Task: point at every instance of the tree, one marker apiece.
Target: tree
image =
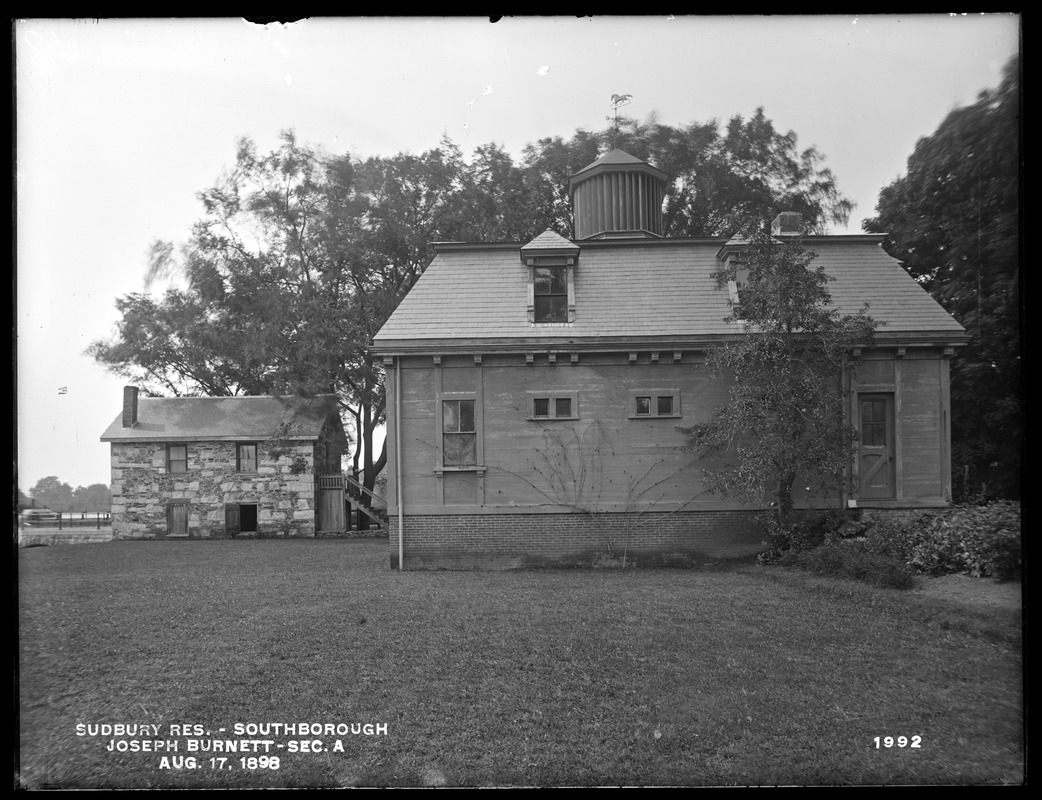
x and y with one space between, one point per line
785 418
297 261
270 302
501 200
95 497
953 220
719 182
52 493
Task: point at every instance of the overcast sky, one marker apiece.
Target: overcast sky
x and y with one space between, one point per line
121 122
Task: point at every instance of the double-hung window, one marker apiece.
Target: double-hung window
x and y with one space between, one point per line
550 286
459 434
177 458
738 279
246 457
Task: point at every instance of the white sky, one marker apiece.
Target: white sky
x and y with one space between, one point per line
121 122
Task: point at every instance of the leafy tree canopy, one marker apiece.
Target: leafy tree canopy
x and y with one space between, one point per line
52 493
953 220
95 497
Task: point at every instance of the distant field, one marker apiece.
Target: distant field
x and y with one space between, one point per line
723 676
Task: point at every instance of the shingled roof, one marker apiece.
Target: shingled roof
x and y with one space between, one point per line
617 158
172 419
643 290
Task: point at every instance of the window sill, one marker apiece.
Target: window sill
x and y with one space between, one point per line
440 470
655 416
902 503
552 419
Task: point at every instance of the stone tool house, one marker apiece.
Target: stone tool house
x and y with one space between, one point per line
535 389
208 467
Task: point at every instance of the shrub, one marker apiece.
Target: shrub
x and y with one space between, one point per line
978 540
775 538
897 537
811 530
843 561
938 551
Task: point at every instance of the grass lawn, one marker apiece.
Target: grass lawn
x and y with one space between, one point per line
729 675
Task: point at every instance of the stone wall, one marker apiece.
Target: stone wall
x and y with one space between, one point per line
34 538
142 490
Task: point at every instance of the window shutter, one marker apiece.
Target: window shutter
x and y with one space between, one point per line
231 519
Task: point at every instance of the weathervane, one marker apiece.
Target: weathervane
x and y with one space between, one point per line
617 102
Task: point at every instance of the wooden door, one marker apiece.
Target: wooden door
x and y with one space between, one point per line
876 446
177 519
331 508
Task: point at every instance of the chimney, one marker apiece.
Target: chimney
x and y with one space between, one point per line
129 406
788 223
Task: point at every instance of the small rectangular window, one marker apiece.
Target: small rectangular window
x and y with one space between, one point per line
552 406
177 458
654 403
246 457
459 435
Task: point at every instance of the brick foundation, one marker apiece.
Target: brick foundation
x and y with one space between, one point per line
514 541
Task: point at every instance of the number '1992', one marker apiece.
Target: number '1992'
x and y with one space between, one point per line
898 741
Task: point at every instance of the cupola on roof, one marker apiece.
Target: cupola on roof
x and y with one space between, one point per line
618 196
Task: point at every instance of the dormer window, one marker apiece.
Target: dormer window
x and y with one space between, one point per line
550 286
738 279
733 274
551 260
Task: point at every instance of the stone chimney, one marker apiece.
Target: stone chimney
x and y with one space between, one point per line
788 223
129 406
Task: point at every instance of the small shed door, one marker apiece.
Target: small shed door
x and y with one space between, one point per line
331 506
177 519
876 456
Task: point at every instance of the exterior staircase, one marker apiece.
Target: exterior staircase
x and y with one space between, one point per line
376 511
342 491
